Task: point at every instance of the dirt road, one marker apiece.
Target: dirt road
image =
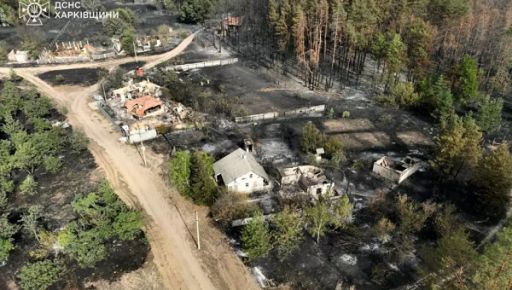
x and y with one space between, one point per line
169 217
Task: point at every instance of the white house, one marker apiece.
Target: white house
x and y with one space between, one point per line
240 172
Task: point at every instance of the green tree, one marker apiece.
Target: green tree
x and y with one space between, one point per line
446 10
321 216
333 146
127 225
127 40
288 232
418 38
11 16
29 185
493 267
179 171
443 102
318 219
395 57
30 220
118 26
7 230
413 215
33 43
281 27
78 141
256 238
203 189
3 51
466 80
457 147
492 181
451 257
6 246
40 275
342 212
194 11
404 94
446 221
312 138
86 247
273 16
489 114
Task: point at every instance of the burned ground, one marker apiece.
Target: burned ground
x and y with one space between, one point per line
78 174
81 77
55 194
132 65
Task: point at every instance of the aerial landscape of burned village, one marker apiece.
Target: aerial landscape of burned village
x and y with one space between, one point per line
255 144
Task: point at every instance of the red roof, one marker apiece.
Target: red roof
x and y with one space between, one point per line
139 106
232 21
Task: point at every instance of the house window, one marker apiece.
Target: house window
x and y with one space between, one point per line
318 191
250 175
247 185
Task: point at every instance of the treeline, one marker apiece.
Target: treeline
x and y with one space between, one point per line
34 146
327 40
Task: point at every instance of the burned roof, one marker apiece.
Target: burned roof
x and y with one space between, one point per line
236 164
139 106
233 21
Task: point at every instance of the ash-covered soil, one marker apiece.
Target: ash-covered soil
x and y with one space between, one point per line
80 77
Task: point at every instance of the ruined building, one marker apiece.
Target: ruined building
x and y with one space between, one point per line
396 170
306 180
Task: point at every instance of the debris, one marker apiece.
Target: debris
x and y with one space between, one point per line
305 179
262 280
396 170
348 259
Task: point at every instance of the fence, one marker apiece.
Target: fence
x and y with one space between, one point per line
301 112
203 64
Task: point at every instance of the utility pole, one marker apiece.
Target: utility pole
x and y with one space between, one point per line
197 231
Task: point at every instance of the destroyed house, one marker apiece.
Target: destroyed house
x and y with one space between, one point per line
18 56
136 90
240 172
232 21
144 106
396 170
309 179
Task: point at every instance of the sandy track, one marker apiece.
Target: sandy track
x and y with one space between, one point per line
169 216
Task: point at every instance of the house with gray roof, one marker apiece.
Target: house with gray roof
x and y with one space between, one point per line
240 172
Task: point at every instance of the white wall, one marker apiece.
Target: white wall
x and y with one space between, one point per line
248 184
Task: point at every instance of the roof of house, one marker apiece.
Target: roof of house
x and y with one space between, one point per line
232 21
236 164
140 105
